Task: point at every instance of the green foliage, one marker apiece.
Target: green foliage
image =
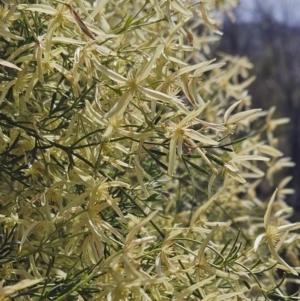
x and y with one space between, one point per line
130 162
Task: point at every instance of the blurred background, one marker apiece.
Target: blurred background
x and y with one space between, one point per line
268 33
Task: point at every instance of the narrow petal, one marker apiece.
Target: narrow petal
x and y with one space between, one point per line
9 290
199 137
177 5
120 105
207 21
145 70
172 156
131 235
209 67
241 116
179 145
257 241
280 260
230 109
8 34
84 176
192 115
199 67
214 126
270 150
96 10
203 208
288 227
205 243
193 287
152 94
8 64
269 209
67 75
42 8
109 73
236 176
248 158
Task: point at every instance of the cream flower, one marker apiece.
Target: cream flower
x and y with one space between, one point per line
273 235
7 291
181 132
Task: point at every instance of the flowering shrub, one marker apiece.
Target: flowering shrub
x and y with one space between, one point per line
131 161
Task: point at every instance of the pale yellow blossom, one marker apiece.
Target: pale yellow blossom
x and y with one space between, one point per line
181 133
273 235
7 291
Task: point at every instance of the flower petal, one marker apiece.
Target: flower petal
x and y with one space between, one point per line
241 115
199 137
109 73
280 260
120 106
8 64
257 241
269 209
172 156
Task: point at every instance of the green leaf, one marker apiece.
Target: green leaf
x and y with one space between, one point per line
215 159
155 197
201 169
159 163
156 152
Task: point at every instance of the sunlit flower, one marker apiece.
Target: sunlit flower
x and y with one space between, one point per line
18 85
272 124
274 234
282 190
7 291
37 231
134 85
232 169
278 165
98 101
203 263
35 170
231 121
13 220
181 133
86 55
167 251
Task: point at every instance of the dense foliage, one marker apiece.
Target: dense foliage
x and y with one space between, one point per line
132 166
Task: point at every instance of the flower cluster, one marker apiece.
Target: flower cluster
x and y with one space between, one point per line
130 160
